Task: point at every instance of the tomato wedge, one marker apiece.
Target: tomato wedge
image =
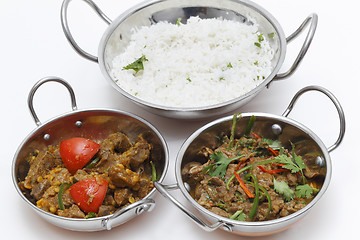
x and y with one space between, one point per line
77 152
89 194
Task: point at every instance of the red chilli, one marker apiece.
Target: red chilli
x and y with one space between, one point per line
279 170
243 186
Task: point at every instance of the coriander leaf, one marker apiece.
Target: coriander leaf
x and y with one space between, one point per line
137 65
218 169
178 21
296 165
271 35
305 191
274 144
90 215
284 189
239 216
260 37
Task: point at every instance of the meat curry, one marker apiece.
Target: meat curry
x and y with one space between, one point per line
119 173
251 178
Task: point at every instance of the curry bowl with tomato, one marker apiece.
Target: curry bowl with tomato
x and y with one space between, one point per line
89 170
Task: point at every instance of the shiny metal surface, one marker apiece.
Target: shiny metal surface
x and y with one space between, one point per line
94 124
117 36
291 131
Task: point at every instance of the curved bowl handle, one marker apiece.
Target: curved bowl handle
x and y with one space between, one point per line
65 26
313 18
163 190
41 82
335 102
136 208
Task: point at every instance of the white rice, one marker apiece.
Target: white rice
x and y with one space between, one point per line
200 63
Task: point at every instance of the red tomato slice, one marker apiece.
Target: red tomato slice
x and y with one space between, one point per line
77 152
89 194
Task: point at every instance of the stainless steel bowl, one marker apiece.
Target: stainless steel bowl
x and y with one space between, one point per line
269 126
117 36
93 124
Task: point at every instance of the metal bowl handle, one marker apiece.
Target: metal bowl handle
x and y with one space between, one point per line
41 82
163 190
137 208
335 102
65 26
313 18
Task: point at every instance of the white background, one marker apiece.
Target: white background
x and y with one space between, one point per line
33 46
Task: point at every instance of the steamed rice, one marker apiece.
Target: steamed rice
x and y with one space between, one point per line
200 63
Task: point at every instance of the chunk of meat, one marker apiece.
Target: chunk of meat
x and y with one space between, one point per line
192 170
138 153
121 196
123 177
106 210
40 166
39 189
72 212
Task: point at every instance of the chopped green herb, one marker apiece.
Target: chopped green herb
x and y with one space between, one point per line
294 163
284 189
271 35
218 169
221 205
178 21
229 65
257 44
260 38
221 79
305 191
188 79
256 63
273 144
137 65
239 216
90 215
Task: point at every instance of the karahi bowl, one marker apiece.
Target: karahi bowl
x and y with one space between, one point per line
270 126
117 37
93 124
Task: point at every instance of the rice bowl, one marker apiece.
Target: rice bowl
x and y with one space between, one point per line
200 63
117 37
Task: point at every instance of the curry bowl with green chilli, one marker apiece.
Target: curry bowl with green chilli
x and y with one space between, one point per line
253 173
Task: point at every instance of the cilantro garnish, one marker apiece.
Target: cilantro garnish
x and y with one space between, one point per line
284 189
295 163
271 35
239 216
218 169
305 191
260 38
137 65
178 21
